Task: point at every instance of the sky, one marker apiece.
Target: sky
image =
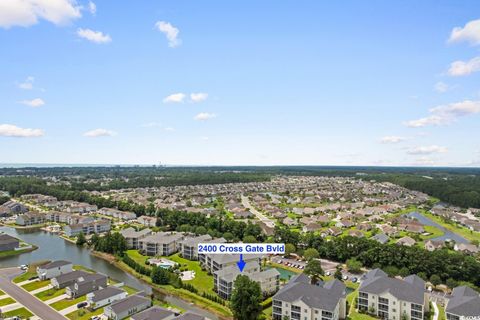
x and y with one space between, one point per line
393 83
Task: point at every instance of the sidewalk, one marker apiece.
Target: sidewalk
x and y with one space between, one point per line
53 300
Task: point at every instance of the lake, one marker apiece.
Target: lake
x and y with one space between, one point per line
52 247
448 235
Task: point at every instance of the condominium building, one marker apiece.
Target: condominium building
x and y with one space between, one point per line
224 279
161 243
214 262
391 298
133 236
464 302
301 300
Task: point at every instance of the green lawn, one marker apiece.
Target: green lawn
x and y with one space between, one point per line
129 290
83 314
62 304
462 231
35 285
441 312
352 314
80 267
137 257
6 301
49 294
434 232
1 293
24 277
22 313
202 281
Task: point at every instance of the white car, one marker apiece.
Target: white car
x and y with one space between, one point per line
328 273
345 277
24 267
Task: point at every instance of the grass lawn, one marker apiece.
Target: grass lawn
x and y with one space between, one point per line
352 313
462 231
434 232
441 311
22 313
83 314
15 252
35 285
138 257
79 267
62 304
24 277
6 301
202 281
49 294
1 293
129 290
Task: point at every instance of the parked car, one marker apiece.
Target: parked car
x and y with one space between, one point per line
328 273
82 305
95 318
345 277
354 279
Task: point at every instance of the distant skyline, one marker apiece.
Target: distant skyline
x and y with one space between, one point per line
240 83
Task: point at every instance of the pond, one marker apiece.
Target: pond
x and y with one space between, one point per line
447 234
285 274
52 247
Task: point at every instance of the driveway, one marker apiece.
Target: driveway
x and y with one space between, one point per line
23 297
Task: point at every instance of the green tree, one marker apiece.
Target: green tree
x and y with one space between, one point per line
159 275
404 272
435 279
249 239
81 240
354 265
200 230
289 249
246 298
338 273
314 270
311 253
228 236
391 271
451 283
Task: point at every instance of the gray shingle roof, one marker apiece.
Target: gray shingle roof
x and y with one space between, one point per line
324 296
412 289
464 302
190 316
128 303
55 264
153 313
106 293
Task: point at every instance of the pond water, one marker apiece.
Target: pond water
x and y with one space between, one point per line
448 235
52 247
285 274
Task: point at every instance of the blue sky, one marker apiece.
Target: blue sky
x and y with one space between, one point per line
240 82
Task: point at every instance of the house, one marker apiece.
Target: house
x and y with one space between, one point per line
127 307
243 214
356 233
30 218
54 269
161 243
381 237
7 242
289 222
344 224
334 231
105 296
147 221
406 241
189 246
311 227
466 248
86 284
364 226
391 298
133 236
432 245
66 279
155 313
224 279
463 303
300 299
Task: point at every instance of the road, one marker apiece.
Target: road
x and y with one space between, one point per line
260 216
36 306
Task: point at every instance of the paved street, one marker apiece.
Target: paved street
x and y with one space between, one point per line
31 303
260 216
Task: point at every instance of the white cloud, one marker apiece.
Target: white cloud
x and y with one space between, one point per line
169 129
170 32
203 116
464 68
469 33
10 130
392 139
441 87
99 133
25 13
198 97
175 98
92 7
151 124
427 150
35 103
27 84
204 138
94 36
446 114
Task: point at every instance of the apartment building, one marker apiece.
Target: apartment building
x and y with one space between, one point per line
301 300
133 236
99 226
391 298
30 218
214 262
161 243
224 279
464 302
189 246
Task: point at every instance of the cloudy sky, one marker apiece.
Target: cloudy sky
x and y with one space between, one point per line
240 82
